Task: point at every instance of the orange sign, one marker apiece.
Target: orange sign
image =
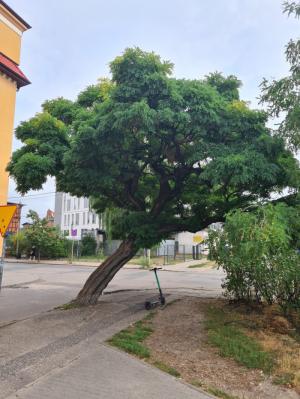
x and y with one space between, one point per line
6 214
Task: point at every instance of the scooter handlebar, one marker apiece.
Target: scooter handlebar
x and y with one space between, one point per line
155 268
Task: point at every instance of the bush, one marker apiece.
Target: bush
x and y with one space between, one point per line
256 251
47 240
88 246
17 244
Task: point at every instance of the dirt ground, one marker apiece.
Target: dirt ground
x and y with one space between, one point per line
180 341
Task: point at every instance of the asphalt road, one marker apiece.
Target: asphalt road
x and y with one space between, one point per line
29 289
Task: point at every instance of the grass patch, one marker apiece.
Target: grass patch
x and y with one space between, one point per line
284 379
219 393
198 266
232 342
68 306
167 369
90 258
131 339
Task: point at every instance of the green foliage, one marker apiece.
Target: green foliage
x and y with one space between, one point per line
233 342
167 369
284 379
257 251
292 7
95 93
282 96
130 340
198 266
47 240
143 261
219 393
88 246
168 154
45 141
18 244
227 87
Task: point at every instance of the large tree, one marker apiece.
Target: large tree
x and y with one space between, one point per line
170 154
282 96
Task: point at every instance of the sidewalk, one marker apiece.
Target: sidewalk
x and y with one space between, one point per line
108 374
62 354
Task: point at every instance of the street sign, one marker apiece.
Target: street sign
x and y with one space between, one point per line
6 214
197 239
74 232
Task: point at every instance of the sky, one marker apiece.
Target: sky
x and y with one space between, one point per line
72 42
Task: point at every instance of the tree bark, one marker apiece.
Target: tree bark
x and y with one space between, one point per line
100 278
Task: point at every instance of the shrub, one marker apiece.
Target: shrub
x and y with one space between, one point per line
257 252
47 240
17 244
88 246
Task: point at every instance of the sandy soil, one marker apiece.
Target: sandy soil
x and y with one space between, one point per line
179 340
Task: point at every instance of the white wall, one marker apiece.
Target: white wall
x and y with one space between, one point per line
77 217
190 239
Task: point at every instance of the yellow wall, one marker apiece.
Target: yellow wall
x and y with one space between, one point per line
11 28
10 43
7 109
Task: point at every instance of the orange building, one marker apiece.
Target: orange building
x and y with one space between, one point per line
50 218
12 27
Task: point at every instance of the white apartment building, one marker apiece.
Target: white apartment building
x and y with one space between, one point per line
74 217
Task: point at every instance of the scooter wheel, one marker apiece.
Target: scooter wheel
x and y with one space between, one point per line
163 301
148 305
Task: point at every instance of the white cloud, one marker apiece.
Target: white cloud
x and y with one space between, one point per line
71 44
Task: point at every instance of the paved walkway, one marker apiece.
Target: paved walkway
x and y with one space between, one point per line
107 373
63 355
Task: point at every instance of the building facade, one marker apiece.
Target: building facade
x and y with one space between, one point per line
50 218
12 26
74 217
15 224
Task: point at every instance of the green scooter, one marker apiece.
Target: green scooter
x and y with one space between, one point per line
161 300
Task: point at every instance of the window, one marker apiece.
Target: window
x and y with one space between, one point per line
65 220
83 218
72 219
86 203
77 219
69 220
74 202
93 217
68 205
78 203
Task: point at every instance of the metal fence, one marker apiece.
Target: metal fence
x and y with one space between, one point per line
179 253
164 254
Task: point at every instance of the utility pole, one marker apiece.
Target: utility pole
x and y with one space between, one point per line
2 262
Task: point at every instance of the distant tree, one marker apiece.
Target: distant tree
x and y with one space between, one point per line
170 154
283 95
47 240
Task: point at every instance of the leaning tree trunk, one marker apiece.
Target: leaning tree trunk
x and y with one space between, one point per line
100 278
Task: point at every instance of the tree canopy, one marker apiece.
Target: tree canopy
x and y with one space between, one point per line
282 96
172 154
